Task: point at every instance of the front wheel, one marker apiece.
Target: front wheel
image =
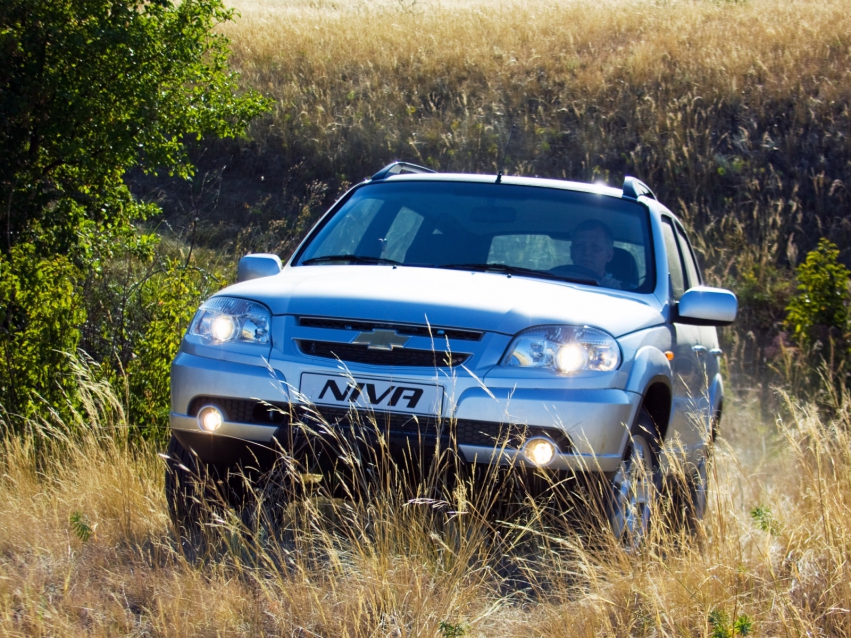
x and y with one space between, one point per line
185 479
698 490
634 490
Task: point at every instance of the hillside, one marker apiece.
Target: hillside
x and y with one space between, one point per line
736 114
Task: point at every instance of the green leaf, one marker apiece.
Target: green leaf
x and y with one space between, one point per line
81 527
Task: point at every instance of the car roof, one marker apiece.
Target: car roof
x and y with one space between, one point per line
633 189
540 182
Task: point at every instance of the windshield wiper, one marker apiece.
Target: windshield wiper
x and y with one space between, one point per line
517 270
354 259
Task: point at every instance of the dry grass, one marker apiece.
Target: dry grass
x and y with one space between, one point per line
397 568
700 98
735 112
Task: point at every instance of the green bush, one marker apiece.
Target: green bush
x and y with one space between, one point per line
90 90
819 311
40 314
167 300
817 318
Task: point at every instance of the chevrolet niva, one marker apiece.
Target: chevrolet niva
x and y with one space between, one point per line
543 324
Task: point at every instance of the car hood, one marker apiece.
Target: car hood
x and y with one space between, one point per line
450 298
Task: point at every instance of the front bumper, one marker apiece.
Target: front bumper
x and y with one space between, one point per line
485 424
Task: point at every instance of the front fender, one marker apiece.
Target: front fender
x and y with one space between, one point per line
649 366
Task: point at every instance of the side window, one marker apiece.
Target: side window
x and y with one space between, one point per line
675 267
688 259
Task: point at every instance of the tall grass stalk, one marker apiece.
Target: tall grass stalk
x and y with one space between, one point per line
86 546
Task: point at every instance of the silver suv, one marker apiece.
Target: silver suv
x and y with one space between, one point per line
536 323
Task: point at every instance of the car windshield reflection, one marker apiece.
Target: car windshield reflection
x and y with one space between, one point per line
551 234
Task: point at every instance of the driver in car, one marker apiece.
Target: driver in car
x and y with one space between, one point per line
592 248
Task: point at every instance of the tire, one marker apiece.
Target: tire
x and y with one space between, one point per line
699 484
695 496
184 475
699 489
689 491
634 490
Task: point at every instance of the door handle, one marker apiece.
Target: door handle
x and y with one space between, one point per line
699 350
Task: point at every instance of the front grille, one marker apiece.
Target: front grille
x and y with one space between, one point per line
396 357
489 434
461 431
433 332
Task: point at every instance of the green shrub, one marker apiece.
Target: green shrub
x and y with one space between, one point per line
167 301
90 91
817 318
722 627
40 314
821 304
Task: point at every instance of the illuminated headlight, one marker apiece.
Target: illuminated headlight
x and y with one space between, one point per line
210 418
539 451
564 349
224 319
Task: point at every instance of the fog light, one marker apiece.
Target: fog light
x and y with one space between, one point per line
210 418
539 451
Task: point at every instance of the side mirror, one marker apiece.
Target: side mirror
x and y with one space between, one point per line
258 265
704 306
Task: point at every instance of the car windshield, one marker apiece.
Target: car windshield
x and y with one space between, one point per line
524 230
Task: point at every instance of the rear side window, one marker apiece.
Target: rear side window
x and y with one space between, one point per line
675 266
692 272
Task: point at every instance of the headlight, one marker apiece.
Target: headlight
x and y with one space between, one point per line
565 349
223 319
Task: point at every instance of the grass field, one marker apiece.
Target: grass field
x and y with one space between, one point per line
86 547
735 112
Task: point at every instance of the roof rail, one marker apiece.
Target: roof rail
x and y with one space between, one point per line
400 167
633 188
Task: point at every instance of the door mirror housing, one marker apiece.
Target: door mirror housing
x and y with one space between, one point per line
705 306
258 265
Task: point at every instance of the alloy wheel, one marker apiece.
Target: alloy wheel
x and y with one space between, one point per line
634 492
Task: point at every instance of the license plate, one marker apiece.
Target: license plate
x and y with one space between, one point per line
375 394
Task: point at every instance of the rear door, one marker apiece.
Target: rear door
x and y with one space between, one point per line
709 353
687 425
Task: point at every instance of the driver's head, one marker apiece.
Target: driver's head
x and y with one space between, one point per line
592 246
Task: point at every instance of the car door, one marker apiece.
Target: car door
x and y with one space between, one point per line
709 352
688 365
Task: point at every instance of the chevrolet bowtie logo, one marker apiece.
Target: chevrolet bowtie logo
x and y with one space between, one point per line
381 340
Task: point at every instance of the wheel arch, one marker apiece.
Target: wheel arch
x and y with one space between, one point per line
651 377
657 400
716 420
